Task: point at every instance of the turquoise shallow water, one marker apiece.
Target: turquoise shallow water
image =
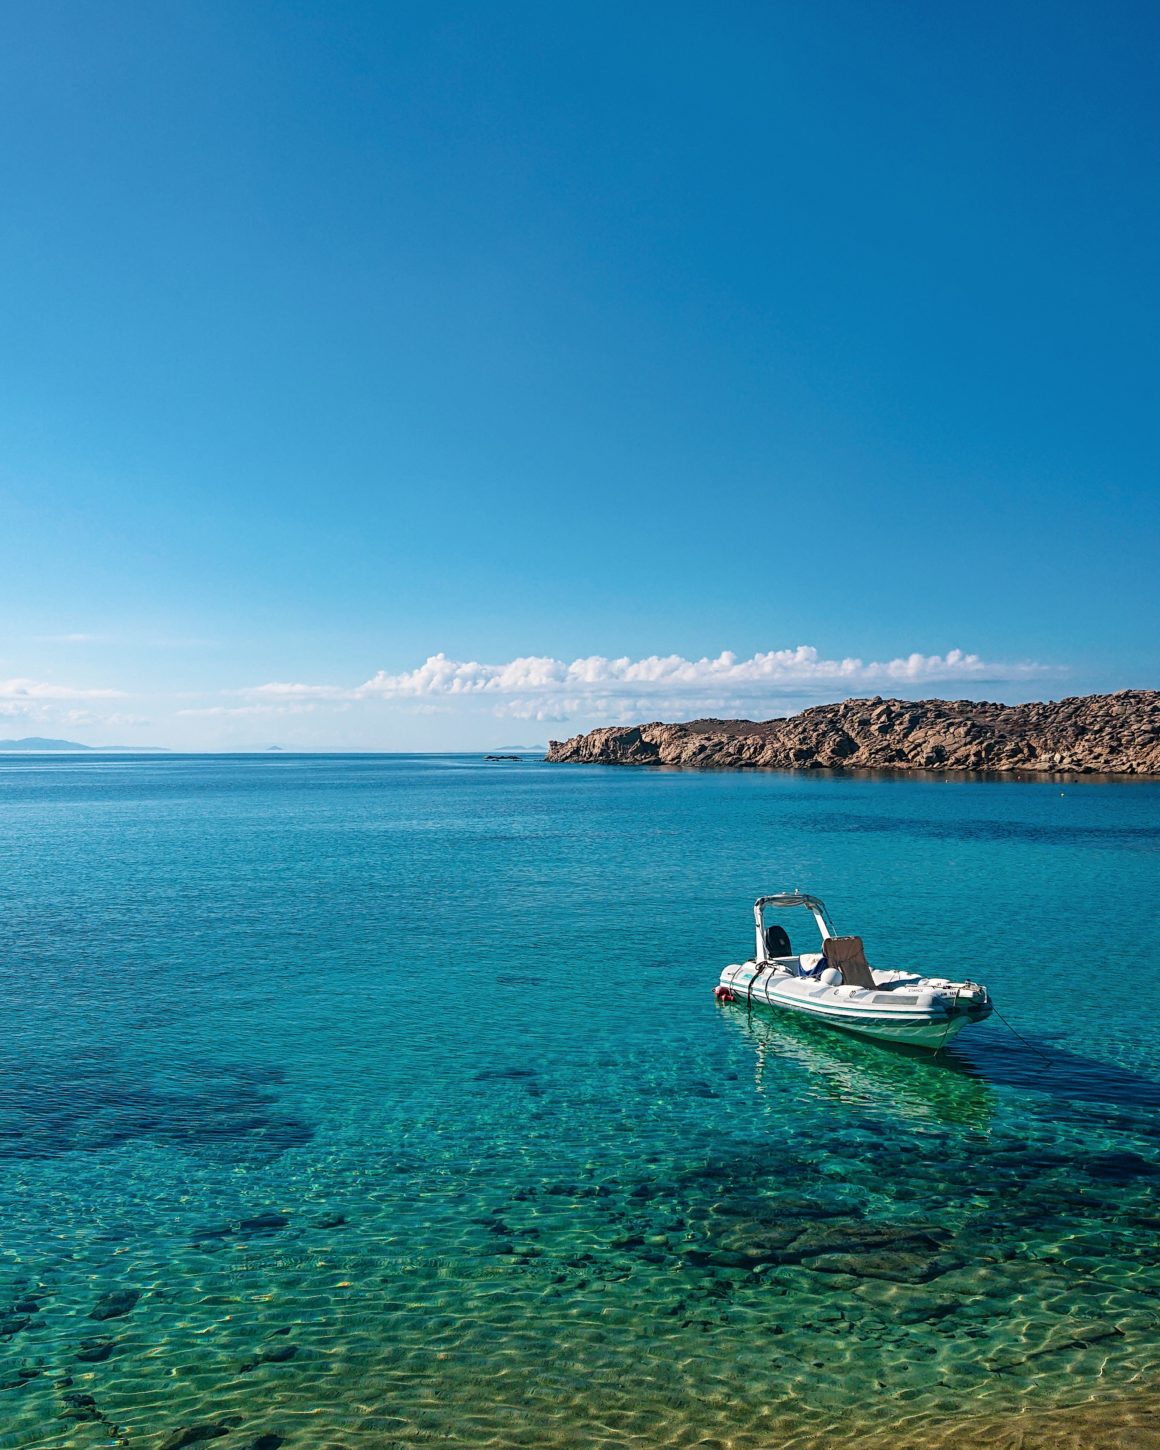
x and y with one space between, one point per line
383 1101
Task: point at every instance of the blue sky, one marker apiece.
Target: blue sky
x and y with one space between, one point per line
340 338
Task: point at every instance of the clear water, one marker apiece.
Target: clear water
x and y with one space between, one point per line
395 1091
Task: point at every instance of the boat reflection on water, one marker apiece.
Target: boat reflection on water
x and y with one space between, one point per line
906 1082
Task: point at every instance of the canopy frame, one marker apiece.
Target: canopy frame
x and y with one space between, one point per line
787 901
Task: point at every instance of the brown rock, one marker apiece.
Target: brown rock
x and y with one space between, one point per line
1087 734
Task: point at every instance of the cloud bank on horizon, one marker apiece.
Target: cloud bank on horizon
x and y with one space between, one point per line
541 687
48 702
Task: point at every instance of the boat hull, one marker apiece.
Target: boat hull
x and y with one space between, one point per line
900 1018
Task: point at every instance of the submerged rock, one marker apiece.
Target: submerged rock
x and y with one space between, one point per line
276 1354
899 1265
758 1242
194 1435
17 1378
95 1351
213 1231
226 1113
854 1239
264 1223
1119 1166
279 1354
80 1407
115 1304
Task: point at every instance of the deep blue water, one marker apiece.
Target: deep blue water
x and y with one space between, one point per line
383 1101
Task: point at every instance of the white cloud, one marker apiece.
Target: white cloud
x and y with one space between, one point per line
540 687
288 691
43 703
280 707
37 690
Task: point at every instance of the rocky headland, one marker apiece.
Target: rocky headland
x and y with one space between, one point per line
1115 734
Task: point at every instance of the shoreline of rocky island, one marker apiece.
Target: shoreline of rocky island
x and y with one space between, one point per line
1116 734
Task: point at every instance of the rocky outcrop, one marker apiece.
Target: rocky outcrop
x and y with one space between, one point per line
1108 734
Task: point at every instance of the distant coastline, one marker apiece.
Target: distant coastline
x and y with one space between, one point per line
1116 734
42 745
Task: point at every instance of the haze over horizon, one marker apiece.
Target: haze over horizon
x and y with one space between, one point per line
429 376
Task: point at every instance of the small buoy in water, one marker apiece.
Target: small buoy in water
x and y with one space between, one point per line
723 993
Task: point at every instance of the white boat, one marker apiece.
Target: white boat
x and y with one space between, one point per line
837 986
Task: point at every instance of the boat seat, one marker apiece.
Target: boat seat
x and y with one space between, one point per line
846 953
777 942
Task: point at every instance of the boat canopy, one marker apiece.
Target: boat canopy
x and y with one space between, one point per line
784 901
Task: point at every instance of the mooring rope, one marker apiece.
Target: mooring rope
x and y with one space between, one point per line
749 994
946 1034
1037 1050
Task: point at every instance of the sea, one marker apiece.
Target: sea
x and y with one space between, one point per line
379 1102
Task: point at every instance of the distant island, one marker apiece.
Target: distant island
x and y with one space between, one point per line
38 742
1116 734
32 744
